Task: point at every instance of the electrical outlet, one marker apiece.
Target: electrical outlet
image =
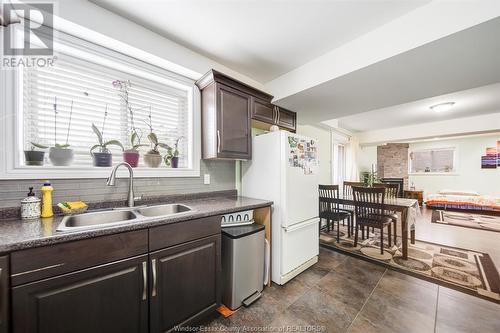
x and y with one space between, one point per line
206 179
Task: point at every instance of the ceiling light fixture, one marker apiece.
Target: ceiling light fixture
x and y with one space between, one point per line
442 107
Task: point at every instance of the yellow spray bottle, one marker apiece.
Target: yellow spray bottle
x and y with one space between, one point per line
47 199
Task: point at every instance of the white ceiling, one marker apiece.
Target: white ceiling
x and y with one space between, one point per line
468 103
462 61
262 39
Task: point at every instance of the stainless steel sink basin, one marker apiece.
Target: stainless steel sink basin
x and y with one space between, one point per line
163 210
121 215
96 219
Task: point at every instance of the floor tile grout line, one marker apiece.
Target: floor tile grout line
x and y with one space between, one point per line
436 312
366 301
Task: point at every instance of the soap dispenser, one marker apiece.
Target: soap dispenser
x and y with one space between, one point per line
30 206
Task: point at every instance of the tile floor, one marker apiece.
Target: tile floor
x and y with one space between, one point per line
344 294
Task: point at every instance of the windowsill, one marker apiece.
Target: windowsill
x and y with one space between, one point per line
433 174
74 172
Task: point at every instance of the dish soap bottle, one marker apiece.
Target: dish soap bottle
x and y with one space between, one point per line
30 206
47 199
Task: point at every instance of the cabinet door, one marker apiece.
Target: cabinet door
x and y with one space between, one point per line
234 139
287 119
263 111
185 283
4 294
108 298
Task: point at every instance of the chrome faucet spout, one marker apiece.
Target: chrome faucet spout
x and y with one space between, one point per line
112 182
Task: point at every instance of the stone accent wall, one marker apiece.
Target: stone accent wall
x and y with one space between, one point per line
392 161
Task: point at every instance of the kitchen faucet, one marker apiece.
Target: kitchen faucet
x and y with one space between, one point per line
112 180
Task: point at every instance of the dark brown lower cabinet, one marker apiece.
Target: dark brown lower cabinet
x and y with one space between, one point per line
185 283
4 294
107 298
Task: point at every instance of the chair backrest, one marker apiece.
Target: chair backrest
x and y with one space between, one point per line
328 192
347 189
372 195
391 190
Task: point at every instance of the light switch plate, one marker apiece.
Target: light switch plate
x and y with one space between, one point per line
206 179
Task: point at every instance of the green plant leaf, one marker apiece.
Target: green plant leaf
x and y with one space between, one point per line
153 138
135 147
37 145
66 145
94 147
98 133
133 138
164 145
113 143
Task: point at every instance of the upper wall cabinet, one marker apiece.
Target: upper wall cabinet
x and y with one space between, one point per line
266 114
227 109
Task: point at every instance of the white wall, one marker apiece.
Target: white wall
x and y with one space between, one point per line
89 21
469 174
367 156
324 149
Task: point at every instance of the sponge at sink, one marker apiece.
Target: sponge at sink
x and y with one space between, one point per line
72 207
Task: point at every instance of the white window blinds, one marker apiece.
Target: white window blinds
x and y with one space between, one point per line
88 88
434 160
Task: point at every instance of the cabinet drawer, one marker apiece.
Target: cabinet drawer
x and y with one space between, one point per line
43 262
177 233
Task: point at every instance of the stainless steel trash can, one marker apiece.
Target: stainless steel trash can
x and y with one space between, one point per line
242 264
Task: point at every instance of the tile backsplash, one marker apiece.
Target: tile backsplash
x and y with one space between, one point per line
222 177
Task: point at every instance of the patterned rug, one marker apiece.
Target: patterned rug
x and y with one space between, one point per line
465 270
467 220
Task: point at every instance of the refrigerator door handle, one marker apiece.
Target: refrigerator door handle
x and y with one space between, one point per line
301 225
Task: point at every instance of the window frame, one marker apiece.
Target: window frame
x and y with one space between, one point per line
453 172
12 142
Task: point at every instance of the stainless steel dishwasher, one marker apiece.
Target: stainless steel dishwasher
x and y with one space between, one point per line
242 264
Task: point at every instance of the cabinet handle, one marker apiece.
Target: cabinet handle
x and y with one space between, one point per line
153 267
144 280
218 141
277 116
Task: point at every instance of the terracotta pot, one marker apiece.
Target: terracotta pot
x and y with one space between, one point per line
131 157
175 162
34 157
102 159
152 160
60 156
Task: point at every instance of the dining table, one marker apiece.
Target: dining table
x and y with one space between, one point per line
401 205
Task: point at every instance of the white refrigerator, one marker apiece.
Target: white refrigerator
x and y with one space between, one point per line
284 168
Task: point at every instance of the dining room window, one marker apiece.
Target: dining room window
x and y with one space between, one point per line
438 160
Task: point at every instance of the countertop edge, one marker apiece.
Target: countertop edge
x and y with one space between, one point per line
63 237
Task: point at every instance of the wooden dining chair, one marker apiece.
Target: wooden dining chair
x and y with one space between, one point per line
347 192
392 192
368 203
331 211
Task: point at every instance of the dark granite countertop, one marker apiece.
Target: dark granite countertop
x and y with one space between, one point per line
16 234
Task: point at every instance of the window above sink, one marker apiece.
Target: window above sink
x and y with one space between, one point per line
84 85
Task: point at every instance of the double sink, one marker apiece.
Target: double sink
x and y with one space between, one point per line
119 216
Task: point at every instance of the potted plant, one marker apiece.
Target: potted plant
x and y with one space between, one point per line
153 157
60 154
172 156
131 156
103 158
35 157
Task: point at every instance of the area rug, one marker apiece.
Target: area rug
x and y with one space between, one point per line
467 220
461 269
